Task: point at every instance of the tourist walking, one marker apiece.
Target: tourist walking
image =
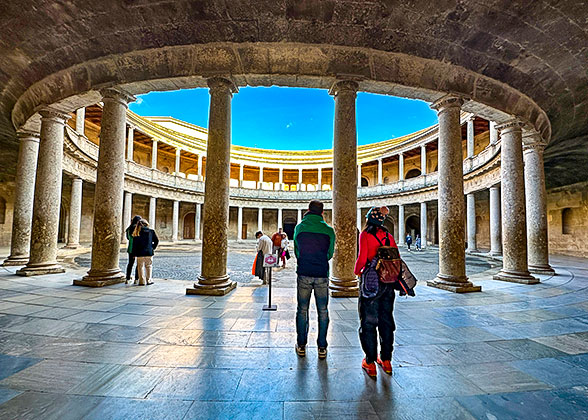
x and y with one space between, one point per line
417 242
284 253
277 241
408 241
376 305
131 262
264 246
314 244
145 241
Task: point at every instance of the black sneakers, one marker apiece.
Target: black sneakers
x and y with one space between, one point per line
300 350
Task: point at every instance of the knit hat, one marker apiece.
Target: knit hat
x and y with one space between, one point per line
377 215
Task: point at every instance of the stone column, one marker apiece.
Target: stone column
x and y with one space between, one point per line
280 218
75 214
359 219
423 225
260 219
298 217
401 225
299 187
154 155
452 275
213 279
493 133
401 166
127 215
239 224
152 212
45 222
514 231
200 173
197 216
131 143
343 279
80 121
471 222
424 159
380 172
260 186
178 157
175 220
536 204
495 222
320 179
281 179
359 174
241 174
110 179
22 217
470 137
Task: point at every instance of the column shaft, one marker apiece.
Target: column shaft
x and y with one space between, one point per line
514 230
197 217
298 217
241 174
152 212
200 172
280 218
213 279
380 172
178 161
131 143
260 219
343 279
401 225
401 166
127 215
423 159
452 274
154 155
493 133
495 222
81 120
45 222
359 175
239 223
536 204
75 214
320 179
110 179
470 138
471 222
423 225
24 193
175 220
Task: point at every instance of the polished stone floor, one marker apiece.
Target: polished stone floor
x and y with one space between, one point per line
130 352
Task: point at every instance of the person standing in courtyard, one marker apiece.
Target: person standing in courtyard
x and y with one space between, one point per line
277 242
131 256
376 305
264 246
408 241
284 253
314 245
417 242
145 242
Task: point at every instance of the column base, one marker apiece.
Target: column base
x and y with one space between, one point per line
544 269
472 251
101 278
72 246
212 286
344 287
40 269
521 277
13 261
454 284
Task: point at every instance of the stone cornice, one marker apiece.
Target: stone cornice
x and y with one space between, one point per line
447 101
54 115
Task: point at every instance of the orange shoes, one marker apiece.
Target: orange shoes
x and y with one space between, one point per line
385 364
370 368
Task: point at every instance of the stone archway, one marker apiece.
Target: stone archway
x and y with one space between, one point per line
189 226
289 224
413 173
413 226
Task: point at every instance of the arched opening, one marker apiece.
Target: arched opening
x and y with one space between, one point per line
413 173
2 210
364 182
189 226
566 221
413 226
289 225
436 228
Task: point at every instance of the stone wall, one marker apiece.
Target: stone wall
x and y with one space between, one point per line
6 208
567 218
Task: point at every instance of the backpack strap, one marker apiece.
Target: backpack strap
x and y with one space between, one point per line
381 243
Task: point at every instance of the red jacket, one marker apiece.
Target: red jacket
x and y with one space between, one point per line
368 246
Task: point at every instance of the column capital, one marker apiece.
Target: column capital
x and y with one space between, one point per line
29 135
514 124
448 101
117 95
222 83
532 140
52 114
131 126
471 118
340 86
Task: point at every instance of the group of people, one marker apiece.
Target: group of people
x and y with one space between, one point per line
417 242
314 246
142 242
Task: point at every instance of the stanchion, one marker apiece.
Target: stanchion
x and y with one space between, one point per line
269 306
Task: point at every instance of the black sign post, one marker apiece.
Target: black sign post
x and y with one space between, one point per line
269 306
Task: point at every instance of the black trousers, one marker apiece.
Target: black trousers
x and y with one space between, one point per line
130 267
376 317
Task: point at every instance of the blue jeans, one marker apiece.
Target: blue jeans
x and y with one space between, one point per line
321 295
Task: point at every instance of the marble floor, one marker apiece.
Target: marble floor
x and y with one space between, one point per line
129 352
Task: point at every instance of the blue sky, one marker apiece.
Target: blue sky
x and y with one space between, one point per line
292 118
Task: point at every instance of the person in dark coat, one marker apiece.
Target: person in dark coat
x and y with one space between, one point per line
145 241
129 235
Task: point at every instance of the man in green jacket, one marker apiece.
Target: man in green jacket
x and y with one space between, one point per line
314 245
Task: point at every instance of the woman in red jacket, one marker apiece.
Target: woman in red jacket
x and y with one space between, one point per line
377 311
